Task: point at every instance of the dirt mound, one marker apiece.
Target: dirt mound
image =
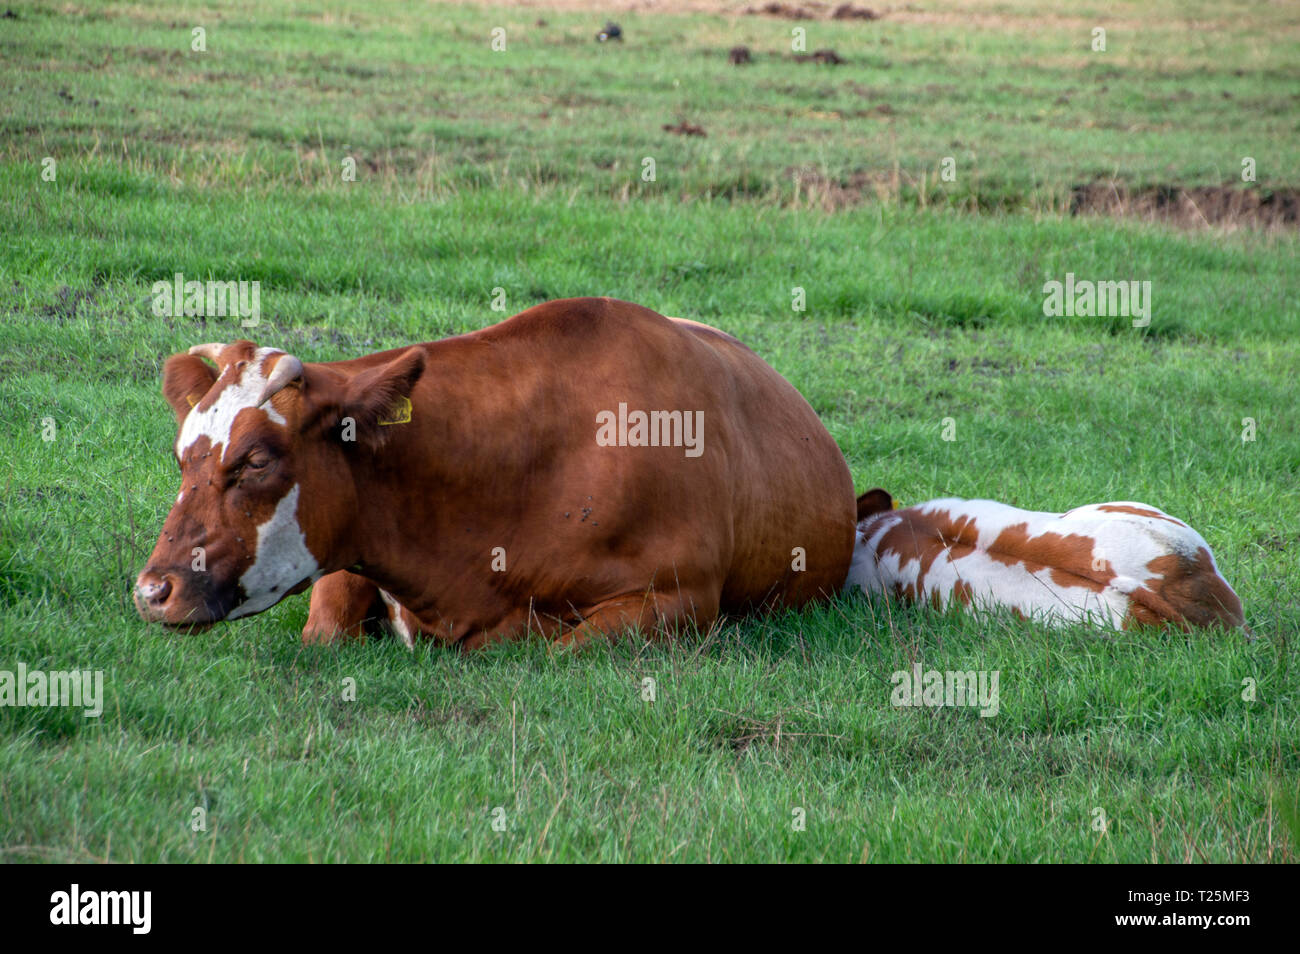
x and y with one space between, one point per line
847 11
1193 207
829 57
785 11
684 129
833 193
812 10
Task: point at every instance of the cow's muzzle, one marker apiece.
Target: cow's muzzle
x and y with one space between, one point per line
176 598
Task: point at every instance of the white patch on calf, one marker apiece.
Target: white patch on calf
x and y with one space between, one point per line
281 560
215 423
864 574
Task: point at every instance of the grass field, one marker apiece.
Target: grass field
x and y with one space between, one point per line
522 170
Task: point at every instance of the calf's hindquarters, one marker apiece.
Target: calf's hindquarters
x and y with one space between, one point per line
1121 564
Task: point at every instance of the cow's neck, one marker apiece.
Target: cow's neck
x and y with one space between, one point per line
423 518
394 524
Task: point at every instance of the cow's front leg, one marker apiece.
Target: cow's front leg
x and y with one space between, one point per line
343 606
658 615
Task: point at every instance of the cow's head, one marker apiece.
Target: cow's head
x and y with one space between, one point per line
874 502
268 494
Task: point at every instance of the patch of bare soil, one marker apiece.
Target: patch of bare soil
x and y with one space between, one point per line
69 301
1194 207
739 731
1278 542
815 189
829 57
785 11
847 11
812 10
684 128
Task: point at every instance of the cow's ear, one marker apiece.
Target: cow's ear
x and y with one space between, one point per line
378 400
186 378
873 502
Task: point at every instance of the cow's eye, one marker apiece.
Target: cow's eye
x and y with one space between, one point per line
256 463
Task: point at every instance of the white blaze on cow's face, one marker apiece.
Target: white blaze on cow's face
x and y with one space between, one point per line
240 394
239 500
281 561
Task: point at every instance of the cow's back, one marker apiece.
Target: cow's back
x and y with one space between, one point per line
792 490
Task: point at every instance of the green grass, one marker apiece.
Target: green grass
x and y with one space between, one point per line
914 315
415 93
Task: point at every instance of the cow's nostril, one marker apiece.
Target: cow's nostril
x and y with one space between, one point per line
155 593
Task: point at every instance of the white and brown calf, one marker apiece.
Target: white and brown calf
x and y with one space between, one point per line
1119 565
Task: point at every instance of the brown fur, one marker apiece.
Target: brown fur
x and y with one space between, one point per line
501 452
1187 592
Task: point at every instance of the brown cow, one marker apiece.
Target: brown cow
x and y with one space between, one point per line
583 467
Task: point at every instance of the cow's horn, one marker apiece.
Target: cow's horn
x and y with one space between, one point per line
212 351
287 369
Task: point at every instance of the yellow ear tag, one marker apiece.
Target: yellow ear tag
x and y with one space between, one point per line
193 403
895 507
400 412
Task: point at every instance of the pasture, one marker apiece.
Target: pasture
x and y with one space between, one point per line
923 346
